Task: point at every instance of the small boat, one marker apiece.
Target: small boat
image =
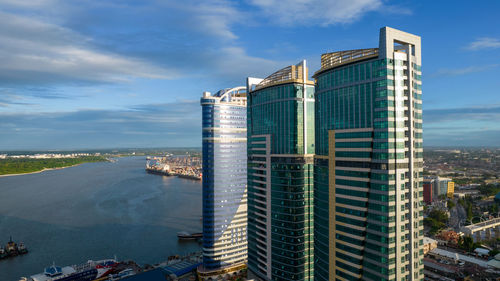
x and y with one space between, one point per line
187 236
22 249
3 253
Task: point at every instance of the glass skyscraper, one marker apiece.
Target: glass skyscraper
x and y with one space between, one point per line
368 166
224 182
280 175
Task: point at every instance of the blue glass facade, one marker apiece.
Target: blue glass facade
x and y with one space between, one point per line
224 178
280 177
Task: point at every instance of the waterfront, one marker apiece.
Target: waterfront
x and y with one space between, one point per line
95 211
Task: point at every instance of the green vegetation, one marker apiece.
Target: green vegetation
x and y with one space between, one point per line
494 252
467 243
462 181
28 165
450 204
436 220
489 189
493 209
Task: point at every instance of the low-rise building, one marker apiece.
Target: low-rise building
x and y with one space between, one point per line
429 244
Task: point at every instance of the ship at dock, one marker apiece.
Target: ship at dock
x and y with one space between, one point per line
108 269
155 166
12 249
181 166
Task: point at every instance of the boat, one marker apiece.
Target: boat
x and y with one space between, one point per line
12 249
183 235
3 253
88 271
22 249
156 167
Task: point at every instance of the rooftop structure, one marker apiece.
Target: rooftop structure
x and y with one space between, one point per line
458 257
490 228
335 59
290 74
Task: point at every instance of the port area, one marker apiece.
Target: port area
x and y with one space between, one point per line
12 249
182 166
175 268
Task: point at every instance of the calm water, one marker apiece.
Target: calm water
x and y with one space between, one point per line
95 211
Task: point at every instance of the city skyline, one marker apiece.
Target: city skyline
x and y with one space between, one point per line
95 74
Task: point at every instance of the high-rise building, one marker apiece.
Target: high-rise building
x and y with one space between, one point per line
224 182
443 187
280 174
368 164
429 187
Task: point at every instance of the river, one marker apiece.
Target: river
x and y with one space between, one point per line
95 211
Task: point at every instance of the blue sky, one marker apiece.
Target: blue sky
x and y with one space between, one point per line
103 74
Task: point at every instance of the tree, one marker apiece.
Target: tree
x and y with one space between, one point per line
493 209
439 216
436 220
450 204
466 243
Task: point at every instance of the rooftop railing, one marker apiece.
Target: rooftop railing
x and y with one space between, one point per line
330 60
292 73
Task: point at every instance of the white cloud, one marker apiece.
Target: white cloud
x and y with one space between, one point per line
463 70
484 43
216 17
322 12
33 50
234 62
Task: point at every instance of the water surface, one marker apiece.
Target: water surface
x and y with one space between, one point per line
95 211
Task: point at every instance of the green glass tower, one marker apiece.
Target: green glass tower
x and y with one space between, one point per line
368 164
280 174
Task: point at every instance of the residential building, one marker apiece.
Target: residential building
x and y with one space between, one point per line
450 189
440 186
429 245
280 175
224 182
368 189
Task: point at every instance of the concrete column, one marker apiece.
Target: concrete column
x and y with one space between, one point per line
488 233
497 232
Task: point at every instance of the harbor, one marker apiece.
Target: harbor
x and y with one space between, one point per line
174 268
95 211
182 166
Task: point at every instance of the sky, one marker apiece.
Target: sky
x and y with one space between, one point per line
108 74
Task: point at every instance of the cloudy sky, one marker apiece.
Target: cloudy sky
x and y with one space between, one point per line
103 74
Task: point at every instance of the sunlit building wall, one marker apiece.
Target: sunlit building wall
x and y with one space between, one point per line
368 190
224 180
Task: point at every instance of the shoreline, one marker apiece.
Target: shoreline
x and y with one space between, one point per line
41 171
